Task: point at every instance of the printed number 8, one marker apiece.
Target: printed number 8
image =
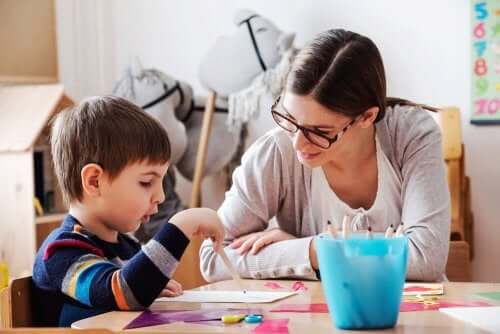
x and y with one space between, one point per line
480 67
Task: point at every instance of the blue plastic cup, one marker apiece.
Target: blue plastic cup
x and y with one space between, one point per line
363 279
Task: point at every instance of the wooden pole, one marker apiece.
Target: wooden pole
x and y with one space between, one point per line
188 272
202 150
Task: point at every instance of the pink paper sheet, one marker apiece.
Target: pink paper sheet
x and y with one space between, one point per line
405 307
413 306
272 326
301 308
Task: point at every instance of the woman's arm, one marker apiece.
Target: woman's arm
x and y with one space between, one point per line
426 201
258 190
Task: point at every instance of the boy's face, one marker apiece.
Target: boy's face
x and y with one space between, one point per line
132 197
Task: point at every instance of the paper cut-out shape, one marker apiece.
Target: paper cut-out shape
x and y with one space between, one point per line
153 318
299 286
273 285
272 326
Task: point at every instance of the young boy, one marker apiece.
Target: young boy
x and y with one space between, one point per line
110 158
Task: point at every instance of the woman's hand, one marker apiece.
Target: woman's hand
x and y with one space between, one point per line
313 257
254 242
172 289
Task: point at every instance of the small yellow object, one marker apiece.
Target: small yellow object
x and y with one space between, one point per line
38 206
233 318
426 300
4 275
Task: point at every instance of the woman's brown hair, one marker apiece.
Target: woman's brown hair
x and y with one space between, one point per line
344 72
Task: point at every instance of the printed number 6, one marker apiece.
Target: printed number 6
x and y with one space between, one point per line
479 31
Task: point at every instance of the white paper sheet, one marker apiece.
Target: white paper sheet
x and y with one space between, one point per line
195 296
486 318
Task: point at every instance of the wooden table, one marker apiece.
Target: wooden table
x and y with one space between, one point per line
408 322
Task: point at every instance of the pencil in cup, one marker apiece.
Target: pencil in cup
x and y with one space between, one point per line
399 230
345 227
332 229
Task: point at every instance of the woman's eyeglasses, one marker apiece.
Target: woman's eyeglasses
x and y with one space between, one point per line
313 136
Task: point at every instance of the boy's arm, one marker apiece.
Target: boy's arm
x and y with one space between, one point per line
77 268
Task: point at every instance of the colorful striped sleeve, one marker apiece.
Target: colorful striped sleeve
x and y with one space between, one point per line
78 268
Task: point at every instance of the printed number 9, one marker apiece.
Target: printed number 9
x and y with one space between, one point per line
481 86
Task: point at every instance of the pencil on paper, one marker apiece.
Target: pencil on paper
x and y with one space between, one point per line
230 267
389 231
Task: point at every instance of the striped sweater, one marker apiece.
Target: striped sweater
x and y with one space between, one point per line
77 275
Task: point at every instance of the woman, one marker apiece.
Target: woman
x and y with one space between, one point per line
342 148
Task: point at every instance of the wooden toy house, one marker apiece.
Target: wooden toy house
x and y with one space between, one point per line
26 171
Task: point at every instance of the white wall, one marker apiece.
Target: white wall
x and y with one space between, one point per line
425 46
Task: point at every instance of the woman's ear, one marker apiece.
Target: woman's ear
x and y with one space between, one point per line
92 177
369 116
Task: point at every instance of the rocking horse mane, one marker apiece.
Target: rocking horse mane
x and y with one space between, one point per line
125 86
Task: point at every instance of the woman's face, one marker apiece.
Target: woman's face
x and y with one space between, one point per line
306 112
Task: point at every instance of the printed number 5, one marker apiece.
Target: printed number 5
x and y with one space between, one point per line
481 10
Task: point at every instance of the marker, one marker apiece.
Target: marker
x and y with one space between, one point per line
232 318
253 318
231 268
389 231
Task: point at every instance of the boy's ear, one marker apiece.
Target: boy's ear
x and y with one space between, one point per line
369 116
92 176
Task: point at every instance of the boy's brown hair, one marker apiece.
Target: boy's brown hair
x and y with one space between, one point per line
106 130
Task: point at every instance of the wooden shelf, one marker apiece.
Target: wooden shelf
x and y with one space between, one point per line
50 218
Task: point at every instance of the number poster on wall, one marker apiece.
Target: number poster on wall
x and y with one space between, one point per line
485 62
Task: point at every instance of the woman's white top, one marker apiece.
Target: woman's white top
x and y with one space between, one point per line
385 210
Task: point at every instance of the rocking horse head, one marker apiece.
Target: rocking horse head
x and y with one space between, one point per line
231 65
162 97
235 60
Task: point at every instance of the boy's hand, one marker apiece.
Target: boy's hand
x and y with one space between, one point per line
201 222
172 289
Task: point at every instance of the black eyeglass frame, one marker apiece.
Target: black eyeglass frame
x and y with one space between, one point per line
306 131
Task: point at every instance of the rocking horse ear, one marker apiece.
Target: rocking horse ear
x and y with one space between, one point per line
243 14
285 42
136 67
